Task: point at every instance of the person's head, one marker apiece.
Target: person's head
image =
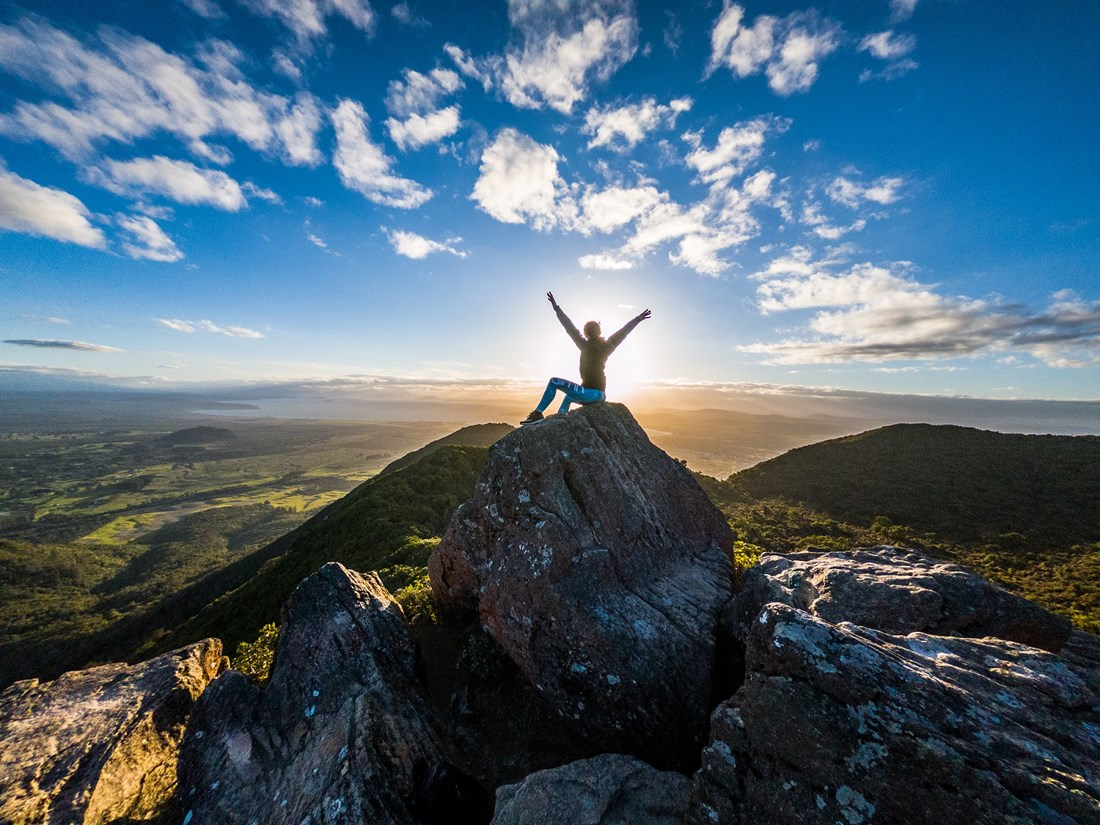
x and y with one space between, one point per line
592 330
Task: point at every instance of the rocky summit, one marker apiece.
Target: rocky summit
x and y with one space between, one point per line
600 566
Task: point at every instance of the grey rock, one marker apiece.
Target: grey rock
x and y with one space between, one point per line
600 566
100 745
896 590
611 789
341 731
841 723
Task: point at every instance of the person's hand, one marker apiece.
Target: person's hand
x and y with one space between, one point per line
645 315
550 298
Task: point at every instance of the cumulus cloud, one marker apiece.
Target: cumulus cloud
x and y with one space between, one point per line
412 245
623 127
823 227
364 167
31 209
558 50
419 130
867 312
178 180
519 182
737 147
605 261
306 18
48 344
208 326
118 87
787 49
883 191
611 208
414 103
147 240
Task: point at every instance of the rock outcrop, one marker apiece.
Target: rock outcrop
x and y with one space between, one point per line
600 566
611 789
896 590
100 745
841 722
339 732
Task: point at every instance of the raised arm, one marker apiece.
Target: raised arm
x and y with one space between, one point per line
619 336
570 328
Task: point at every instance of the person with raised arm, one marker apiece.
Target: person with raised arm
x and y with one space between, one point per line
595 350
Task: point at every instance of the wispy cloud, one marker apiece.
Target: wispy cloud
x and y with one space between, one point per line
872 313
406 14
120 88
52 344
887 45
559 50
208 326
306 18
412 245
902 10
787 49
365 168
48 319
883 191
623 127
736 148
31 209
148 241
177 180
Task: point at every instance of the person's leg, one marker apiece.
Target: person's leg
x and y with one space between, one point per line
551 390
576 394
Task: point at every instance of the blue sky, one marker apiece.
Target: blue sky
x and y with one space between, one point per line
896 196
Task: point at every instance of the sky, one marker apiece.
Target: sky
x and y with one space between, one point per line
892 196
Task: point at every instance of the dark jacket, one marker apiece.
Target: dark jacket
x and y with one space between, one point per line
594 351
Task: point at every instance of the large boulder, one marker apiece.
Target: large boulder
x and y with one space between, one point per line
837 722
100 745
341 730
896 590
611 789
600 566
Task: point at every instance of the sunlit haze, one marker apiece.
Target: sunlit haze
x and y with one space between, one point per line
896 197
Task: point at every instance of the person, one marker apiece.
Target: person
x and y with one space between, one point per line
595 350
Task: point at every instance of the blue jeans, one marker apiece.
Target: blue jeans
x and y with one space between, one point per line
573 393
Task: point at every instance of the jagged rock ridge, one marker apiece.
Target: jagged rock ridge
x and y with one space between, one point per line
600 566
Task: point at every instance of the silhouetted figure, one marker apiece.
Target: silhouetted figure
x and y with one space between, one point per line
595 350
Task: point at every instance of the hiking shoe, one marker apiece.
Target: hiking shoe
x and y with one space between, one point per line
532 418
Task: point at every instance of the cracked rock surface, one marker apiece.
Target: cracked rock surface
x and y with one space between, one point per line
600 566
838 721
100 745
610 789
341 731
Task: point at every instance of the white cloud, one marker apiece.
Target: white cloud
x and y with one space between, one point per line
297 131
787 49
31 209
884 191
176 324
122 88
821 226
419 130
205 8
891 71
605 261
306 18
561 48
412 245
519 181
623 127
902 10
608 209
316 241
149 242
887 45
419 93
364 167
737 147
179 180
208 326
881 313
